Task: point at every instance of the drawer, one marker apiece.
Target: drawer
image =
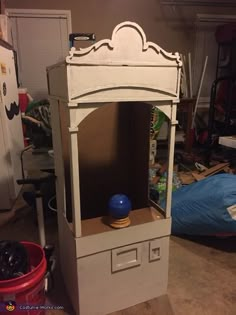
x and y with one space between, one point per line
126 257
134 255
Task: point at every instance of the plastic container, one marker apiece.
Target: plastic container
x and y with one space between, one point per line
23 102
28 290
161 186
23 99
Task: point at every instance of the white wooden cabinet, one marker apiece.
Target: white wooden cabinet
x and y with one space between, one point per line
107 269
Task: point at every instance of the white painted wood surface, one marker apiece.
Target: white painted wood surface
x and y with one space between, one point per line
12 142
128 46
57 81
67 249
125 68
110 70
58 161
75 181
113 239
103 291
171 147
68 261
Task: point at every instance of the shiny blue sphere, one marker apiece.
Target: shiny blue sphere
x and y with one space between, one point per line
119 206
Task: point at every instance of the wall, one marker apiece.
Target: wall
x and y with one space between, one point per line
172 28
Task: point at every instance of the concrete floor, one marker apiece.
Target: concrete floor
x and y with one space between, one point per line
202 272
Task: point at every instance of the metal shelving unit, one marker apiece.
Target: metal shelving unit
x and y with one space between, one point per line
223 90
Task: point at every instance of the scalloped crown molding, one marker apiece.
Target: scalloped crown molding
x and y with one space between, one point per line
128 46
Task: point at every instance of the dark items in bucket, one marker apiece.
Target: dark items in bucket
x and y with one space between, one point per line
14 260
28 289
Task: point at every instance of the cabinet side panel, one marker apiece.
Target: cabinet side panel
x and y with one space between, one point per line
57 81
67 246
115 290
68 261
65 141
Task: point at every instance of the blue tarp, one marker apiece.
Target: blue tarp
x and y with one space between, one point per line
201 208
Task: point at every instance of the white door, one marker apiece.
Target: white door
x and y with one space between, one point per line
41 38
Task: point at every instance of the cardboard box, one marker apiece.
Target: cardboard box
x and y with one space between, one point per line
229 141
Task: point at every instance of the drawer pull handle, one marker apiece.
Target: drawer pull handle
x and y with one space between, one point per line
154 250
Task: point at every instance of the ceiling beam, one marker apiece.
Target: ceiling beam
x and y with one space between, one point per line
216 3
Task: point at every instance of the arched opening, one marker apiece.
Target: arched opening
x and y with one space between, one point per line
114 157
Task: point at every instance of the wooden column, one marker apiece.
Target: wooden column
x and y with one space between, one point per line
74 165
171 145
58 156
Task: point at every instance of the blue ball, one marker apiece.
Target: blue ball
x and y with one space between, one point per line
119 206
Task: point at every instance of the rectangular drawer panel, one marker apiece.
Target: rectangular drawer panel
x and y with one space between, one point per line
126 257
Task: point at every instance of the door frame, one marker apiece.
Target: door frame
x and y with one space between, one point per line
36 13
41 13
66 14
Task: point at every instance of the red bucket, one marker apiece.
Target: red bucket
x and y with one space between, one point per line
28 291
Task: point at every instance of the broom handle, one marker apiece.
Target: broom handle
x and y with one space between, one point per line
199 91
190 75
185 76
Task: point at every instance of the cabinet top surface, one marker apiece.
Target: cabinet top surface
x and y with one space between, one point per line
128 46
126 67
